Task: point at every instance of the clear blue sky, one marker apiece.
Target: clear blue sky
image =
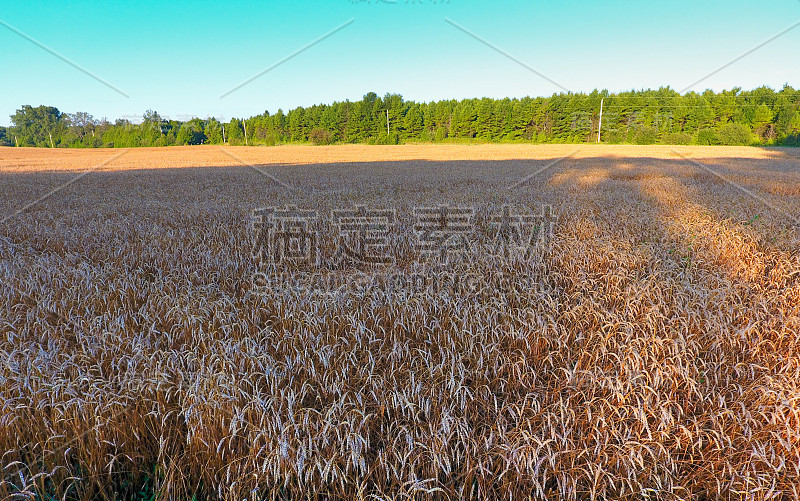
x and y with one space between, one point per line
179 57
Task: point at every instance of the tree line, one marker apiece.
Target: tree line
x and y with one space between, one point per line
761 116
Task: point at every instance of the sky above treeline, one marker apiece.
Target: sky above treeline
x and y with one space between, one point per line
186 59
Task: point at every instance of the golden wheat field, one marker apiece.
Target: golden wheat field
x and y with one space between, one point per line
648 349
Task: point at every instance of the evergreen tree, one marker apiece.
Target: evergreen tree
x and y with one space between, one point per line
412 123
647 116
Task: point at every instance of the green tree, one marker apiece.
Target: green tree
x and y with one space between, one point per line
707 137
151 131
646 135
762 121
184 135
412 123
734 134
464 118
794 123
320 136
213 131
234 132
635 116
40 126
81 124
297 125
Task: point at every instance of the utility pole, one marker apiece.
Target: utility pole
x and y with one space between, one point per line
244 122
600 124
223 133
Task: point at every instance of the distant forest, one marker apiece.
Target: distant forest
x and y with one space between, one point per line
758 117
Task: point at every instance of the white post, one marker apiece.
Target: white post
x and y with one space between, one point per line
15 140
244 122
51 140
600 124
387 121
223 133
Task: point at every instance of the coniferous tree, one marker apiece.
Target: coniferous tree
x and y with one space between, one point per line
645 117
